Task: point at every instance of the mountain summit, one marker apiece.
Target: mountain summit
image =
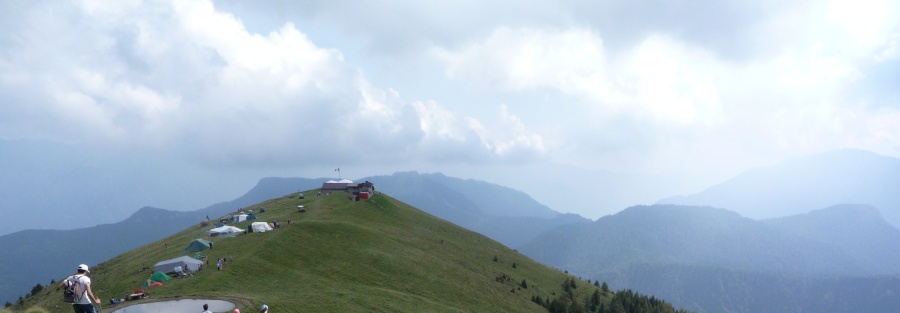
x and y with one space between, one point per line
352 255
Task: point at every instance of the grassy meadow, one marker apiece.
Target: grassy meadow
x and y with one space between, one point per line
375 255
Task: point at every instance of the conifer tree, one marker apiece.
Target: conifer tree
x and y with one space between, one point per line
595 300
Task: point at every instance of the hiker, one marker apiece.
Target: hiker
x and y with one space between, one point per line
264 309
206 308
82 302
220 264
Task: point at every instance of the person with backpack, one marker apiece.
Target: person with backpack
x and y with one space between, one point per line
77 290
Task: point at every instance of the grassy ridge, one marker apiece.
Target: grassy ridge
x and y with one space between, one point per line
341 255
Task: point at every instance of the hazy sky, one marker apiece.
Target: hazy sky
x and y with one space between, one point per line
179 105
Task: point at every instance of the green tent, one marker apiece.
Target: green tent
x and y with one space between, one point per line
159 276
197 245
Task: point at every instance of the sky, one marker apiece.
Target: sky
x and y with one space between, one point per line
108 106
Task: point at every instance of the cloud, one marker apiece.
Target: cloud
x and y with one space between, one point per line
187 78
663 92
470 140
662 79
572 61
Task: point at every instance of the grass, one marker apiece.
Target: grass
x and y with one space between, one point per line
375 255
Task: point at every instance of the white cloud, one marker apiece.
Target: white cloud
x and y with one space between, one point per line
863 20
662 92
508 140
572 61
890 50
186 77
438 122
661 78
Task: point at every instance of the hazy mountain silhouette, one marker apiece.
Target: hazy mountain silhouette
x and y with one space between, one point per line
36 256
808 183
504 214
714 260
686 235
859 230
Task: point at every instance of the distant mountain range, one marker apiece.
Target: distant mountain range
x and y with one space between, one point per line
504 214
714 260
809 183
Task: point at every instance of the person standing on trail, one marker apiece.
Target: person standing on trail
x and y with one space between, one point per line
206 308
82 302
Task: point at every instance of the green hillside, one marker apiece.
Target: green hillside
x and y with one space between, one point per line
340 256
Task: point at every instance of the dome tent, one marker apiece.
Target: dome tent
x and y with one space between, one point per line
197 245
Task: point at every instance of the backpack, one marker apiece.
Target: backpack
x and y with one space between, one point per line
73 291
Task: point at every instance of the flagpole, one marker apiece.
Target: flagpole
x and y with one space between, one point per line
339 172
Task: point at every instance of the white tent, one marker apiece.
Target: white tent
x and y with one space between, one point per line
238 218
185 262
260 227
224 231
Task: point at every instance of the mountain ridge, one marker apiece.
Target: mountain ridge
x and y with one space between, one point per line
808 183
340 255
712 260
31 272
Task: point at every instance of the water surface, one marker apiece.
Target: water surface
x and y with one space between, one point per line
178 306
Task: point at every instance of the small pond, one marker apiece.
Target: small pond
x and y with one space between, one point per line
178 306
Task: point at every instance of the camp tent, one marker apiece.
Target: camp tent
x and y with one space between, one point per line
185 262
224 231
156 277
197 245
238 218
260 227
251 217
159 276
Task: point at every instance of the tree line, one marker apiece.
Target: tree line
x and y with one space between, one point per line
622 301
